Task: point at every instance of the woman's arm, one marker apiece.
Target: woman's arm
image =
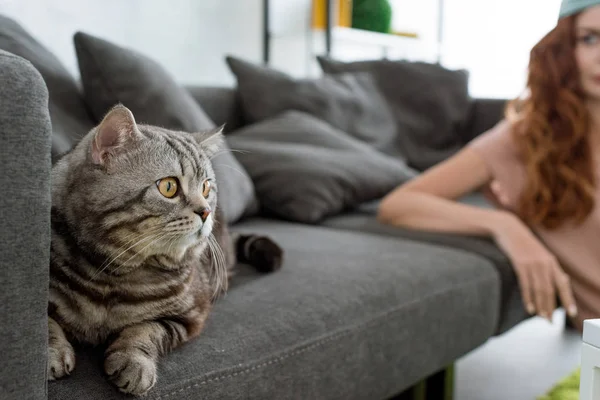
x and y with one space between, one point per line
427 202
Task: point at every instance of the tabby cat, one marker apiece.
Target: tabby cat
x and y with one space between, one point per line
139 252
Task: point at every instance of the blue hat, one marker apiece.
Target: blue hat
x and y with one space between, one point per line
570 7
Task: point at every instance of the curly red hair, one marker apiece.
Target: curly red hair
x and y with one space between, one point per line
551 132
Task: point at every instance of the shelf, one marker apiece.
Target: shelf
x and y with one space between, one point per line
331 32
369 38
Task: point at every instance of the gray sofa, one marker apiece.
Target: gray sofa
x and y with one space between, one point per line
359 310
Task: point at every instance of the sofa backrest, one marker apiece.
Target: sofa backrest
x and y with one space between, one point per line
70 116
68 112
222 104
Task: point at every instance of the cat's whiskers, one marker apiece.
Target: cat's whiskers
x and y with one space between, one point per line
137 236
233 168
214 270
179 227
227 151
143 248
239 151
143 239
173 240
220 268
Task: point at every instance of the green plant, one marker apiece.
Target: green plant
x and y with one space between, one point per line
566 389
372 15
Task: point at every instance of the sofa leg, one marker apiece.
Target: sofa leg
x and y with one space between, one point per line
419 391
440 386
415 392
449 383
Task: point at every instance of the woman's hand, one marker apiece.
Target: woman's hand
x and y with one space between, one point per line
539 273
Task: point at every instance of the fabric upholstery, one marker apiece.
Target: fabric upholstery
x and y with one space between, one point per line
351 102
221 104
112 74
430 104
511 310
304 169
483 115
362 322
69 115
25 145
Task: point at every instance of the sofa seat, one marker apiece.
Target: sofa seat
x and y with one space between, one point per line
511 310
351 315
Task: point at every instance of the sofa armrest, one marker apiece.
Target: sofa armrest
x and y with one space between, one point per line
25 147
483 115
222 105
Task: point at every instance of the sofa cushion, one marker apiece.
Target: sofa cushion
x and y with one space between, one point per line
511 310
430 104
351 102
349 316
112 74
222 104
483 115
305 169
69 115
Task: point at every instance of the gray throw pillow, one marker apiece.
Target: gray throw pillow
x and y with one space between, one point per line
70 118
430 104
112 74
350 102
305 170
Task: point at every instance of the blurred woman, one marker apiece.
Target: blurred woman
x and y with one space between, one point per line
542 162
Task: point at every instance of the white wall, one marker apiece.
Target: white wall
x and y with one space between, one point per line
188 37
417 16
490 38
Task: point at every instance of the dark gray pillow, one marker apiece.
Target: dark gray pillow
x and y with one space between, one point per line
350 102
68 113
112 74
430 104
305 170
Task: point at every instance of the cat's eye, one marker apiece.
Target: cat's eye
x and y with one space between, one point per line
206 186
168 187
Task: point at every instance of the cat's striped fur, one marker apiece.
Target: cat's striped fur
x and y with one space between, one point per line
130 267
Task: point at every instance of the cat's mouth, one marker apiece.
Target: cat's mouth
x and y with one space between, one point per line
206 227
203 232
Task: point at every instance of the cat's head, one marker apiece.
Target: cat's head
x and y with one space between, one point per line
140 189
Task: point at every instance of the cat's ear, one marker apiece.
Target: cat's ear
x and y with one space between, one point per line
211 141
114 134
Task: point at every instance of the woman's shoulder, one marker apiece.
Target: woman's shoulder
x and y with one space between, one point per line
498 138
498 152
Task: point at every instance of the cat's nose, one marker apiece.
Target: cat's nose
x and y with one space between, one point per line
203 213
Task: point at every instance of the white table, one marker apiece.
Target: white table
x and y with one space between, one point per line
589 384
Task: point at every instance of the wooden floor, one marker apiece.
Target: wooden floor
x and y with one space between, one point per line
521 364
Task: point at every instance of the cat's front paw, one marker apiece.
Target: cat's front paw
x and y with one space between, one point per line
265 255
131 370
61 360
